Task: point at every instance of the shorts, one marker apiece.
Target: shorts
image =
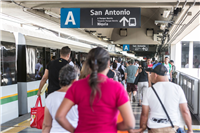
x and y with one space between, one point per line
131 87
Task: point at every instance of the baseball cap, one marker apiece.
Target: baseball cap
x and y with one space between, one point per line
119 59
159 69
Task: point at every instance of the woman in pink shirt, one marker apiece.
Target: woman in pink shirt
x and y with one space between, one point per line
98 98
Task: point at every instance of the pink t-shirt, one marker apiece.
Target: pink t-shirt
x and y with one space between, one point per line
103 117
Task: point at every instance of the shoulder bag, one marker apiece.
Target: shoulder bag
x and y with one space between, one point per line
137 79
179 130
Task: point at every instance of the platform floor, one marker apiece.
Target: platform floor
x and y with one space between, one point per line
22 123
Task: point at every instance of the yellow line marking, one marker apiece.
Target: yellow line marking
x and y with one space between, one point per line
8 96
33 90
18 127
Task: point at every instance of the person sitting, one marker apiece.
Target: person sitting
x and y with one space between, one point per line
98 98
68 74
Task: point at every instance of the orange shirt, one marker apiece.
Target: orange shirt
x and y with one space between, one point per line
120 119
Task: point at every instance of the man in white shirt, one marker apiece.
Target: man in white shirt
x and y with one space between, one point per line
119 60
173 98
71 62
169 68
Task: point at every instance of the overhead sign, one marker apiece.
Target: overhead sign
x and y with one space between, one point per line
139 47
100 17
111 48
126 47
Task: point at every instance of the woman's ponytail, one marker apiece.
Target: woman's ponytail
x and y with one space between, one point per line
98 62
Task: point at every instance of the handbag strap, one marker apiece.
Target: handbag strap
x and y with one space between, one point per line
163 107
37 102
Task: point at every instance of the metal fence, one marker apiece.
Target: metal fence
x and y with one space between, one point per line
190 86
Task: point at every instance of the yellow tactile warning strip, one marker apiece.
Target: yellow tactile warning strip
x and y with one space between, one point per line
194 128
18 127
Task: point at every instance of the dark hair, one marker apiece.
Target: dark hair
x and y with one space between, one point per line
67 74
114 65
82 61
172 61
65 51
131 62
148 57
98 61
166 57
119 60
53 57
144 64
144 67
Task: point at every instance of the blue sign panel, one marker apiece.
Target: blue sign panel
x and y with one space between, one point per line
126 47
70 18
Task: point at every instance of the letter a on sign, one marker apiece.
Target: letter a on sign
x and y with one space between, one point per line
70 15
126 47
70 18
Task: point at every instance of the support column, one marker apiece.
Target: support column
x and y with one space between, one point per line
178 56
21 73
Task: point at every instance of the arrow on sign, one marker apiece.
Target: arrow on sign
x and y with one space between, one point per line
124 21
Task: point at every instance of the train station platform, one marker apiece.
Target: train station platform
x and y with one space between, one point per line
22 123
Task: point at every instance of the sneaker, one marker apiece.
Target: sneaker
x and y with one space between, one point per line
134 99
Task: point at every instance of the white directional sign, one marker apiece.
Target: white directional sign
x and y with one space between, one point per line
100 17
111 48
140 48
124 20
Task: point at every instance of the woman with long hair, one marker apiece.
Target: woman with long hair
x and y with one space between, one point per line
85 71
98 98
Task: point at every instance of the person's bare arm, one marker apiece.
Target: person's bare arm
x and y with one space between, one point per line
43 81
149 79
125 77
128 117
47 123
186 116
171 75
60 117
137 72
144 118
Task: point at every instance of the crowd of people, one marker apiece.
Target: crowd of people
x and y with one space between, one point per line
92 101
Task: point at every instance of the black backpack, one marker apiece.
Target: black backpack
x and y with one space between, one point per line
122 72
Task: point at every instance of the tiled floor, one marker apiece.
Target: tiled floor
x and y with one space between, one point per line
21 124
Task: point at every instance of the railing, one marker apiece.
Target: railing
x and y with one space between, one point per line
191 88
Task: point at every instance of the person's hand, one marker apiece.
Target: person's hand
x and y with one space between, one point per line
38 93
135 130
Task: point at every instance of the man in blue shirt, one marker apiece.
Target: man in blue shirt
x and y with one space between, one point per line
130 79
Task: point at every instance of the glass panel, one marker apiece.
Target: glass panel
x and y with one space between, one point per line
39 63
8 63
196 54
54 54
48 56
1 65
34 63
185 55
30 63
